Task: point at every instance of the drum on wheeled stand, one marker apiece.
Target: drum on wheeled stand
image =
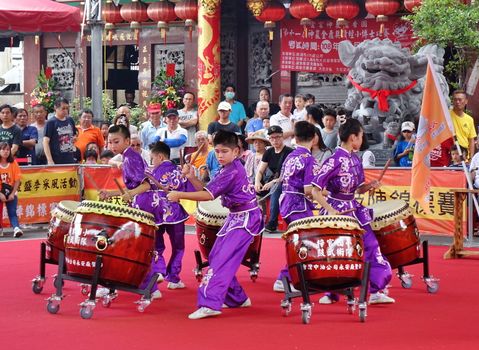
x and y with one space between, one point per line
62 217
325 253
210 216
398 237
111 245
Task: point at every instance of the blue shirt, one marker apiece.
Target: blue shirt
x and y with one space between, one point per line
237 112
253 125
148 134
28 133
212 164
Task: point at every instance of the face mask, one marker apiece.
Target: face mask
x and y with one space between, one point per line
229 95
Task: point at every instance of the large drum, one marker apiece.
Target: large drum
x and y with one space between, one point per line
396 232
330 248
62 217
124 237
210 216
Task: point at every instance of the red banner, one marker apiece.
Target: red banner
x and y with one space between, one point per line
317 51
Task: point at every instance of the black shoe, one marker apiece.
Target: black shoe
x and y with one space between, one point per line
269 230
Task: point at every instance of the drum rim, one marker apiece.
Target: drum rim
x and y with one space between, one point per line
337 221
386 219
63 213
105 208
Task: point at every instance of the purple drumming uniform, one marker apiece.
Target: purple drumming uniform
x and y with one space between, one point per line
173 217
219 285
296 173
341 174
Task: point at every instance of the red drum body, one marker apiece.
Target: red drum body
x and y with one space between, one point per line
62 217
330 249
396 231
123 236
210 216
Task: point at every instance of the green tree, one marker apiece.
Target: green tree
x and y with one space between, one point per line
449 23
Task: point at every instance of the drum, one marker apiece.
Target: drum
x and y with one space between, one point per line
330 249
210 216
396 231
124 236
62 217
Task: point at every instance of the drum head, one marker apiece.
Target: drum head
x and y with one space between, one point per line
211 212
388 212
324 221
65 210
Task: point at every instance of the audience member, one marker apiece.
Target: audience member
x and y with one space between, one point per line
189 120
256 123
40 114
130 98
264 95
105 156
173 135
314 115
320 151
123 116
403 153
329 132
463 123
9 131
151 126
283 118
440 156
238 113
299 113
26 151
198 158
88 133
310 99
223 123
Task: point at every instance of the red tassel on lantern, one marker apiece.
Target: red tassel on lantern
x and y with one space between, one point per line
187 10
342 11
381 9
305 12
272 13
162 12
135 13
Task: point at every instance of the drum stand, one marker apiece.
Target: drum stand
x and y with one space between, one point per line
39 281
252 263
306 290
432 284
86 307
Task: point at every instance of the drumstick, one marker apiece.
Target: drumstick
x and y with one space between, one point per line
90 178
122 191
192 160
347 211
157 183
182 161
386 166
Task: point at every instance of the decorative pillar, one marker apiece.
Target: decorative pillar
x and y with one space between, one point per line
209 64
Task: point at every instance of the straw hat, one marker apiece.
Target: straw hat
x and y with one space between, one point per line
258 135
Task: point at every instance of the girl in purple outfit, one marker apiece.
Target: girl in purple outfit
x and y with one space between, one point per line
219 287
342 175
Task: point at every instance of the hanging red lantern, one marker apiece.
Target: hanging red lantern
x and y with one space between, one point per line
135 13
342 11
112 16
272 13
381 9
162 12
187 10
410 5
305 12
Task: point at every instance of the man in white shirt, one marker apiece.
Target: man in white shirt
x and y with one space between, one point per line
173 135
151 127
283 118
189 120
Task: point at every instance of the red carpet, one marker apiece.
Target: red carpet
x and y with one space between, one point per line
418 320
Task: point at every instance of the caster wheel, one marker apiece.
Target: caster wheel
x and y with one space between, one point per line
56 282
86 312
141 308
306 316
106 303
351 307
362 315
433 288
406 284
53 307
37 287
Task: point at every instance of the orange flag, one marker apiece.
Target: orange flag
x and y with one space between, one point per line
435 126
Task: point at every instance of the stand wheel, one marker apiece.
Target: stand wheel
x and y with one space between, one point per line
141 308
86 312
362 315
106 302
351 307
406 284
285 308
56 282
306 316
253 275
37 287
432 287
53 307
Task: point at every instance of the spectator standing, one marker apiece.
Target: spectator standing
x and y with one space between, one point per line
173 135
329 132
60 134
310 100
223 123
368 158
403 153
269 173
26 151
189 120
88 133
123 116
10 176
9 131
238 113
130 98
299 113
40 114
264 95
314 115
463 123
319 150
256 123
260 142
283 118
440 156
151 126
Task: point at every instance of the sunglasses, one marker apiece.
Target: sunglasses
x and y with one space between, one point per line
408 131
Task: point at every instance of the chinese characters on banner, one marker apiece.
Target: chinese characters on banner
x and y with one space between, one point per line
40 191
396 185
318 51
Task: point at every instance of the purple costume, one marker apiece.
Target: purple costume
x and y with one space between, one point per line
173 218
219 285
341 174
297 172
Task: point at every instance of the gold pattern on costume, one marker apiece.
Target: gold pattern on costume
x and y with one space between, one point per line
256 6
210 6
317 4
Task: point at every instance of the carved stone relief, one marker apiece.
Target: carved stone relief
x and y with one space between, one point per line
63 69
171 53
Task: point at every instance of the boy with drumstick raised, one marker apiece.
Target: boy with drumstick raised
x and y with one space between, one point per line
219 287
342 175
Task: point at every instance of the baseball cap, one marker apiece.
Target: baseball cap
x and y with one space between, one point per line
409 126
275 129
224 106
171 111
154 107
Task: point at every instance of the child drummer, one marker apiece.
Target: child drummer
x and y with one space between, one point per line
342 175
297 174
219 287
133 171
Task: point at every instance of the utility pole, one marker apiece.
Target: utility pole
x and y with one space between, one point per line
94 20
